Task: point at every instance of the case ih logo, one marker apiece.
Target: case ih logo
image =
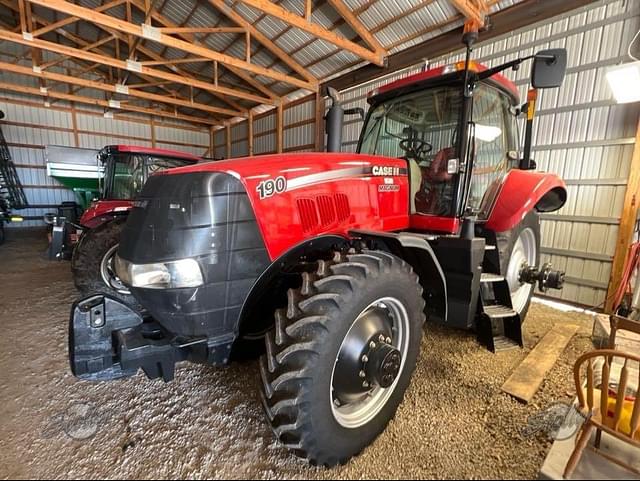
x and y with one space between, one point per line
384 170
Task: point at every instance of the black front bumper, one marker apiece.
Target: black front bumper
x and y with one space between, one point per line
108 340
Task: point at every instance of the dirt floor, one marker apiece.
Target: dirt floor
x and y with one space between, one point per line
208 423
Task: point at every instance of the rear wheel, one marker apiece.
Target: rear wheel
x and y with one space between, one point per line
342 355
93 260
520 248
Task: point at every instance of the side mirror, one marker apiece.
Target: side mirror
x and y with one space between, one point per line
549 68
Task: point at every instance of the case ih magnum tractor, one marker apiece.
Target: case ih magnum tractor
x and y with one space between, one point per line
126 169
336 260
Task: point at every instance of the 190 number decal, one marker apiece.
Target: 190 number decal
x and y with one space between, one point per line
269 188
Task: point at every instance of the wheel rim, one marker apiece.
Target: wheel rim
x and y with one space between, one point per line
108 273
524 254
358 405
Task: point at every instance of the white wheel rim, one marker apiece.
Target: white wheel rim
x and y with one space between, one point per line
355 415
108 274
524 253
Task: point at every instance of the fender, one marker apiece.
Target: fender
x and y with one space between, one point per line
416 250
272 281
104 211
517 193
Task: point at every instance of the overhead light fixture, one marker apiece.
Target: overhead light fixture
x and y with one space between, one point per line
624 82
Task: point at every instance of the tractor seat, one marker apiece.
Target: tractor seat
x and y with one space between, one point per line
425 180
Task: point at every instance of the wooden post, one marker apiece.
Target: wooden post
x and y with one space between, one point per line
153 133
250 133
628 222
212 143
279 128
228 139
319 122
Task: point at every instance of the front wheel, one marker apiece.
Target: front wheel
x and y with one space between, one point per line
342 355
92 263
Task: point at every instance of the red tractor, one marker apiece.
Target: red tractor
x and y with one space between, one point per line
333 262
126 169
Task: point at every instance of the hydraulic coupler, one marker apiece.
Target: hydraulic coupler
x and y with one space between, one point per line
546 277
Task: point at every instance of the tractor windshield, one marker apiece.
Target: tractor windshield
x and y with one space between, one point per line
126 173
422 127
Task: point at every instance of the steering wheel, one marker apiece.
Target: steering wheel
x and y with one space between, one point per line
416 148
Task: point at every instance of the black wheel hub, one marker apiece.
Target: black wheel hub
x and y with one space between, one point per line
368 358
383 366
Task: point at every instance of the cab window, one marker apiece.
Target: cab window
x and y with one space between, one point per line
495 137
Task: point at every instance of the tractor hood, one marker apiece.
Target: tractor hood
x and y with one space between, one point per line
199 237
287 192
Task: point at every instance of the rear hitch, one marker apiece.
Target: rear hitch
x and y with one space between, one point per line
108 340
546 277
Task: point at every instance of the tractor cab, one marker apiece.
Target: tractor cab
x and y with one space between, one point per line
418 119
128 168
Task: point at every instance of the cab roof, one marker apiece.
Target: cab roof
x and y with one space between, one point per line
431 74
133 149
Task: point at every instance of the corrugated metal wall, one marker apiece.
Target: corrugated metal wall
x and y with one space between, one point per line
29 127
580 134
298 125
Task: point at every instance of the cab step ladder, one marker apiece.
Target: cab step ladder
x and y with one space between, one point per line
499 326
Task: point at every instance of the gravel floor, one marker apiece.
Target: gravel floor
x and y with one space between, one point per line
454 423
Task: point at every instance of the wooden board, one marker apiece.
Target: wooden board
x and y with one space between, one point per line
527 378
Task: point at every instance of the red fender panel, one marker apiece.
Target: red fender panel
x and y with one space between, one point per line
103 210
520 192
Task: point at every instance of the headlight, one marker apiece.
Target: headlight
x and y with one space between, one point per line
164 275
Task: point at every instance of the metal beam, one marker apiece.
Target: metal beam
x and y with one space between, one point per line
504 21
282 14
157 36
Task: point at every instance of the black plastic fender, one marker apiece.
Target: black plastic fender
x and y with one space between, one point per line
416 250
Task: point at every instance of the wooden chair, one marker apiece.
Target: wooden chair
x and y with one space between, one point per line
617 415
619 323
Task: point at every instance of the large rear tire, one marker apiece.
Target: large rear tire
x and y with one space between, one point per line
92 263
520 246
352 328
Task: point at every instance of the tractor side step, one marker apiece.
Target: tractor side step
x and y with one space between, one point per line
502 343
499 312
488 277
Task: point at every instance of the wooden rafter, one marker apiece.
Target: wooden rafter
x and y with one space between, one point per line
166 23
302 23
263 39
103 103
70 20
162 61
169 41
126 66
357 26
474 10
117 89
88 47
